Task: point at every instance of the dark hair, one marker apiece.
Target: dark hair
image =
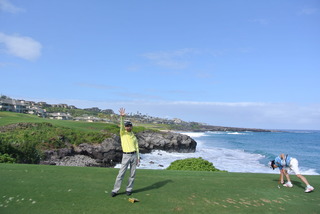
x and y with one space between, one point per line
128 123
272 163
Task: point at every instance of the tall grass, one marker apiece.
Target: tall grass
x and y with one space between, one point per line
25 141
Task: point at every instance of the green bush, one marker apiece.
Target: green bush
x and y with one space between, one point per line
25 141
19 153
192 164
5 158
50 136
28 153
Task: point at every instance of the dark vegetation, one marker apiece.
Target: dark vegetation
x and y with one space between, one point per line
192 164
23 142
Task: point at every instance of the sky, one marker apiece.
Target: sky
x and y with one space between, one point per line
252 64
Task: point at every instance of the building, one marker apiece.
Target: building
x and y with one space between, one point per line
60 116
12 105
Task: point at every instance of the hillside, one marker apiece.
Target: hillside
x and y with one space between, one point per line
25 138
94 114
30 139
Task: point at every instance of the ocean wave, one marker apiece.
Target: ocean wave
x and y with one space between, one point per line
237 133
194 134
231 160
223 159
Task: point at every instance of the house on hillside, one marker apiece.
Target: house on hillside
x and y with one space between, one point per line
43 104
6 105
35 110
89 119
12 105
60 116
60 105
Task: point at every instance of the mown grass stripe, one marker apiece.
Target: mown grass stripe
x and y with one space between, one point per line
59 189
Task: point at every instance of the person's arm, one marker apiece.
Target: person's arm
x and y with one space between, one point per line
137 150
278 162
122 112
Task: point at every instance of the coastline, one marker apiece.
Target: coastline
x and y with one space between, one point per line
224 157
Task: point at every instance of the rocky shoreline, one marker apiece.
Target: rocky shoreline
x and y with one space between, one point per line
109 153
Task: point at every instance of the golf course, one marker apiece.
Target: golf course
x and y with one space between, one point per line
27 188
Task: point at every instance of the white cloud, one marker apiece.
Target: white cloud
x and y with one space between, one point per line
169 54
6 6
242 114
177 59
261 21
96 86
308 11
20 46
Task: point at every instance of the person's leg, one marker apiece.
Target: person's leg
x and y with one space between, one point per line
285 172
124 165
288 183
281 177
303 179
133 166
294 166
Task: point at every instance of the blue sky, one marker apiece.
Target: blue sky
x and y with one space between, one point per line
231 63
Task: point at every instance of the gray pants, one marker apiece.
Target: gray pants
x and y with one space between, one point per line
127 159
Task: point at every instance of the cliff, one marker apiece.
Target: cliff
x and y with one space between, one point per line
109 153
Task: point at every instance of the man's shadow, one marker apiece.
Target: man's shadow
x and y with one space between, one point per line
156 185
295 183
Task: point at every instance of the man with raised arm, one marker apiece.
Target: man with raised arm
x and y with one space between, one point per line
130 149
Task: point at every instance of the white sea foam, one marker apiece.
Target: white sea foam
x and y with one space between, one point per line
194 134
308 171
223 159
231 160
237 133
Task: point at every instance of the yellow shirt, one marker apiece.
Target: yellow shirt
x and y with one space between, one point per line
129 142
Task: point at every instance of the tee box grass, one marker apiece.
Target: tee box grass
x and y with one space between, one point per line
60 189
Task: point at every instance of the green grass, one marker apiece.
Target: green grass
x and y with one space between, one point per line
57 189
7 118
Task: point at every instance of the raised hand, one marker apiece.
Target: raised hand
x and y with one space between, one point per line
122 112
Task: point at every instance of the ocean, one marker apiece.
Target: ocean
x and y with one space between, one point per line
246 151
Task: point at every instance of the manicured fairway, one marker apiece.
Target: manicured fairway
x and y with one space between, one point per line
58 189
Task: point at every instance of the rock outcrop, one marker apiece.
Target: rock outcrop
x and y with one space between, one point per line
109 152
167 141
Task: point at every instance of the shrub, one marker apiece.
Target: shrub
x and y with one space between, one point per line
28 153
25 141
192 164
5 158
19 153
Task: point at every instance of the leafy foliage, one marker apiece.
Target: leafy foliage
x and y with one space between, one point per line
21 153
25 141
50 135
5 158
192 164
